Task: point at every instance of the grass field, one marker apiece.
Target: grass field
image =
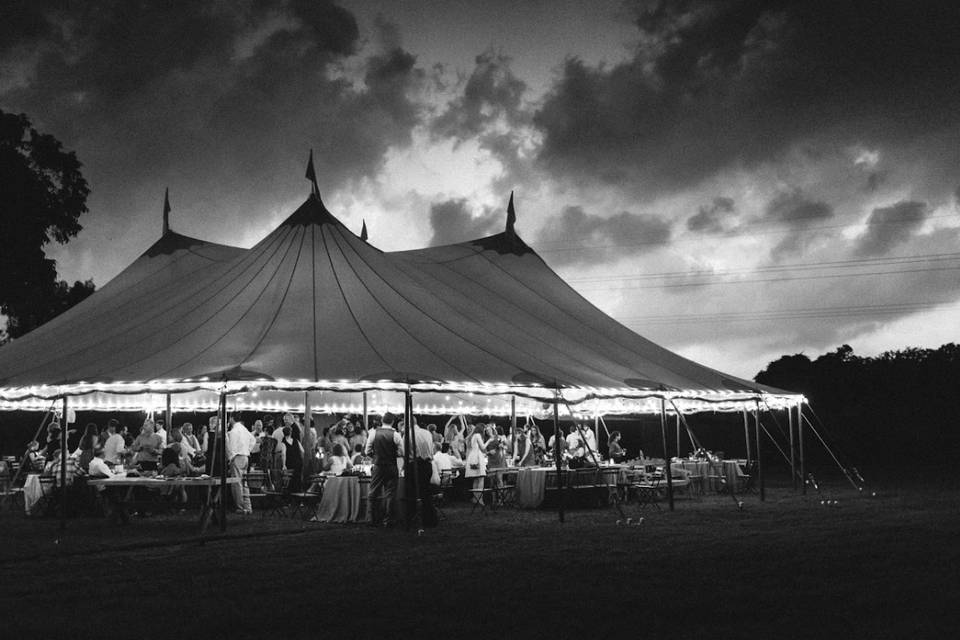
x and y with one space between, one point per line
872 567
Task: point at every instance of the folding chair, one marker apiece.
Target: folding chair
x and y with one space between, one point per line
748 477
305 503
440 496
49 497
505 493
647 491
479 496
276 499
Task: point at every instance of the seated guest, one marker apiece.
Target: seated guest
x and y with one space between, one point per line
32 460
88 442
617 453
338 462
445 461
100 469
53 441
98 465
148 447
357 455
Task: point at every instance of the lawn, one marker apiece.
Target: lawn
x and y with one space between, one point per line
871 567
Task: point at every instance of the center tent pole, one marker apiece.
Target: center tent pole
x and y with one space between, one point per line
412 484
169 415
756 415
513 427
222 419
803 467
556 448
793 465
746 434
666 454
365 413
63 467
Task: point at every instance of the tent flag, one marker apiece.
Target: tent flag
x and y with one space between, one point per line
511 216
166 210
312 176
363 231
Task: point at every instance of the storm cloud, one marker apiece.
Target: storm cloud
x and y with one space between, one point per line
454 221
710 218
619 235
888 227
718 85
797 213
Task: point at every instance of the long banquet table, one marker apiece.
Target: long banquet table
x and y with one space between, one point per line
212 484
710 472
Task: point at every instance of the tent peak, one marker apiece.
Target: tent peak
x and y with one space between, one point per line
511 217
311 212
166 211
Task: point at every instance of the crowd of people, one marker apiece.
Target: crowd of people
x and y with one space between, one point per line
278 443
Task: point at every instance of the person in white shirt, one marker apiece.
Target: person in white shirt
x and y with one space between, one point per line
113 448
445 461
112 495
162 432
239 444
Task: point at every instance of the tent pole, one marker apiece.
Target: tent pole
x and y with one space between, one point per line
746 433
596 430
556 448
678 434
222 419
365 412
666 454
412 484
309 452
793 464
63 467
803 467
169 415
513 427
756 416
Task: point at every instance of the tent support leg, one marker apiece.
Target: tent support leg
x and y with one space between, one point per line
412 487
678 434
63 467
169 415
756 416
222 418
803 466
513 427
746 434
793 464
666 454
558 457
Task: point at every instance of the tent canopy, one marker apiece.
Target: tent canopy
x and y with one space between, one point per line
312 306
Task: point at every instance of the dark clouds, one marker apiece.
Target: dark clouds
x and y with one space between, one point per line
453 221
797 212
888 227
710 218
221 101
720 84
612 237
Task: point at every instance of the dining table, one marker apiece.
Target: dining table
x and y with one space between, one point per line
342 499
712 474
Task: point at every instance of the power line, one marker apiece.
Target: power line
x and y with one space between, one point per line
822 276
802 266
842 311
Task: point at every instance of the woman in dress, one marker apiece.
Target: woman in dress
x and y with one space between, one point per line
617 453
493 446
476 461
454 434
337 462
88 442
292 456
525 456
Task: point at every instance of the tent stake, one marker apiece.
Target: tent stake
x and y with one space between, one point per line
222 419
803 466
756 416
666 454
63 467
556 448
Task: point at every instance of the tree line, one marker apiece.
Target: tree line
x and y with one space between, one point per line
900 406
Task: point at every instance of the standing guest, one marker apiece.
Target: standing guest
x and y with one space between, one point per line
211 446
161 431
258 438
31 458
239 443
291 454
148 447
437 438
493 446
357 455
575 446
385 446
53 440
590 441
339 436
203 437
524 456
287 421
454 434
358 436
88 442
476 460
617 453
113 448
423 461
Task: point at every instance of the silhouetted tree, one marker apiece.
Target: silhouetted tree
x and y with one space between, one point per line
42 195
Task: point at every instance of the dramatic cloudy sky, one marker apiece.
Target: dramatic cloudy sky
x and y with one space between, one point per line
735 180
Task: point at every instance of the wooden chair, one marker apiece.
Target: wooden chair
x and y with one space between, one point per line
305 503
277 499
647 492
